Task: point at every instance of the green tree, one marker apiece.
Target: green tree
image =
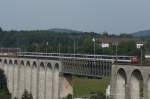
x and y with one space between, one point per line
127 48
98 95
1 29
4 93
126 35
69 96
27 95
86 44
105 34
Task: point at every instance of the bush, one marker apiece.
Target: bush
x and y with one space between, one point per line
98 95
27 95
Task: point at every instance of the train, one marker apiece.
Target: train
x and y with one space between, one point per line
16 52
118 58
9 51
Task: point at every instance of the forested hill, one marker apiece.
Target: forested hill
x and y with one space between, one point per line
142 33
61 30
82 42
28 40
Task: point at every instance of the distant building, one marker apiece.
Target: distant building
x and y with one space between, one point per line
9 51
147 56
106 42
139 45
105 45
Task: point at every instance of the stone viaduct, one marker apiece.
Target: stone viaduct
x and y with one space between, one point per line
40 77
50 77
130 82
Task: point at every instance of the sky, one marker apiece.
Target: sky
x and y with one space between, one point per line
113 16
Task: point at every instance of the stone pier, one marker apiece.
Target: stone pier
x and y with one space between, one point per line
130 82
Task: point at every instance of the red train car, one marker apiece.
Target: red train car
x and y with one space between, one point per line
135 60
9 51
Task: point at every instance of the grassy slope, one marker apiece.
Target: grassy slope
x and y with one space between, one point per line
83 86
4 95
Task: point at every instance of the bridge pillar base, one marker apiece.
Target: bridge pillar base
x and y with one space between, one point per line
66 87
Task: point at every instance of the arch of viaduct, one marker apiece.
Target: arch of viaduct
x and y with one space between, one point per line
42 78
130 82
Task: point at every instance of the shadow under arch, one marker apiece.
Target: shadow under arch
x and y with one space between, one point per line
22 63
28 63
42 66
49 66
10 62
15 62
136 85
122 72
21 77
34 65
34 79
56 81
137 73
10 68
49 80
5 61
56 67
121 81
41 86
28 77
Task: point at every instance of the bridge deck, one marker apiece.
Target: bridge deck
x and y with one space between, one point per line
78 64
